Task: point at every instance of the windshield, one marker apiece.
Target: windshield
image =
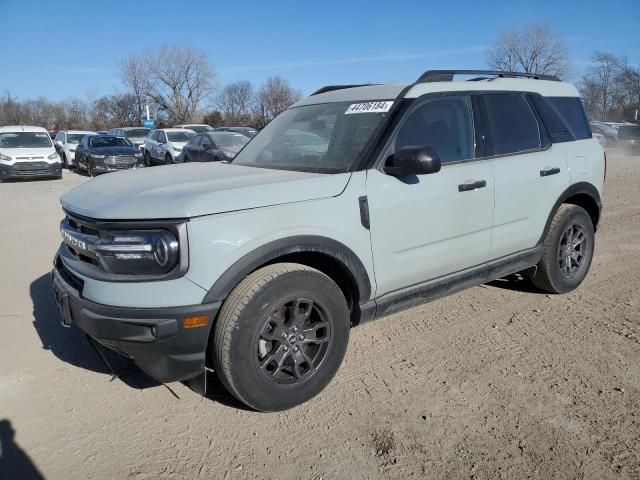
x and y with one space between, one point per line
107 141
137 133
228 139
179 137
324 138
25 140
75 138
199 128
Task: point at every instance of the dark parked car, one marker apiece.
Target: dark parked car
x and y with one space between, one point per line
248 132
629 138
213 146
106 153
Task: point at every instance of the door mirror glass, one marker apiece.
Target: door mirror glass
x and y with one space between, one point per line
413 161
206 146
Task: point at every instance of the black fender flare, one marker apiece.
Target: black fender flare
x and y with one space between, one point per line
575 189
297 244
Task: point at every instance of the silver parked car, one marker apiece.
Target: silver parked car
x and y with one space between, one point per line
164 145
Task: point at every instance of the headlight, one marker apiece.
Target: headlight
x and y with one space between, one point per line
138 155
152 252
53 156
5 157
72 149
94 155
177 149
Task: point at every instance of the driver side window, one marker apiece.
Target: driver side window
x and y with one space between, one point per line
442 123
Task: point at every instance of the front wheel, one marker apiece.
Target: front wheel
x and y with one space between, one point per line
147 159
168 159
90 171
568 250
65 162
281 336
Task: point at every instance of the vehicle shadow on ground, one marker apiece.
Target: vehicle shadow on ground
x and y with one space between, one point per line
72 346
517 283
14 462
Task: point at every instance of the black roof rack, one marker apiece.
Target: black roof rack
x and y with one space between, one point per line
447 75
331 88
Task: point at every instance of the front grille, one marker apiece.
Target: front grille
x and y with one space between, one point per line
30 166
73 281
120 160
29 158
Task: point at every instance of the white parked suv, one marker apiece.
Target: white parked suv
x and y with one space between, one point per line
164 145
66 142
258 268
27 152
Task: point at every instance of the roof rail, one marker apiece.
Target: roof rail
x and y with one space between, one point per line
331 88
447 75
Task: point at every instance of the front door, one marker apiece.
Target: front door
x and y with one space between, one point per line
428 226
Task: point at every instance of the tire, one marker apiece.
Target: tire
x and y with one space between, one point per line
147 159
257 335
563 267
65 162
90 171
186 158
168 159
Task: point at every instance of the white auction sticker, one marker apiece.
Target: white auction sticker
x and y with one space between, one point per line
369 107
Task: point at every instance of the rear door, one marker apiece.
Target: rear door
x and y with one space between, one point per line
529 173
193 148
428 226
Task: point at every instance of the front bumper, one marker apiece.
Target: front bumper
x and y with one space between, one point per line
154 338
30 170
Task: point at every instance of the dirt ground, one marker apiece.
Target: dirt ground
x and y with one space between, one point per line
497 382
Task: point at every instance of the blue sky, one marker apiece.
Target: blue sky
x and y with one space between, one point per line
71 48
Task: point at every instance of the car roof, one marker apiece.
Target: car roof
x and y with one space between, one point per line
547 88
173 129
87 132
181 126
131 128
22 128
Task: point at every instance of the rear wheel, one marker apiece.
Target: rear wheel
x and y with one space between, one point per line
568 250
280 337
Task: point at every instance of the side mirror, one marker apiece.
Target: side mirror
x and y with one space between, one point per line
413 161
59 143
206 146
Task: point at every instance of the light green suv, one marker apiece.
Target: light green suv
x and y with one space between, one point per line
257 269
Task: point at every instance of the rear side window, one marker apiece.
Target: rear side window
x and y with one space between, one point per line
572 112
511 124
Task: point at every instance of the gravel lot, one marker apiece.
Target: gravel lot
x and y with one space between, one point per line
496 382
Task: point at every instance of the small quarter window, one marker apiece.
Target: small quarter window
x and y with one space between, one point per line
511 124
572 112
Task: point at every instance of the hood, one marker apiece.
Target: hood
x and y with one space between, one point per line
195 189
115 150
26 153
136 140
178 144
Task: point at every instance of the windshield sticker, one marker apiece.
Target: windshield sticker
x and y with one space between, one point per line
369 107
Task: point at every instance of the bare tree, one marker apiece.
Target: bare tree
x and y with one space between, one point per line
178 80
236 101
601 85
134 76
273 98
533 49
630 83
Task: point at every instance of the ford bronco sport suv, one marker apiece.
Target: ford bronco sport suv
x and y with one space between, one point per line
391 195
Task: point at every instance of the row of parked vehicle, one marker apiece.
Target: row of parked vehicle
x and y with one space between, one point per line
625 135
131 147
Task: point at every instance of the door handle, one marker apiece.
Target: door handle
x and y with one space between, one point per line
549 171
473 185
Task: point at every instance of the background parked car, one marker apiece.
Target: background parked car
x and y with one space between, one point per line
164 146
66 142
106 153
136 135
213 146
197 127
27 152
249 132
629 138
610 134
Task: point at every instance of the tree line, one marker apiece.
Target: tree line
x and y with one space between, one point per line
177 83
